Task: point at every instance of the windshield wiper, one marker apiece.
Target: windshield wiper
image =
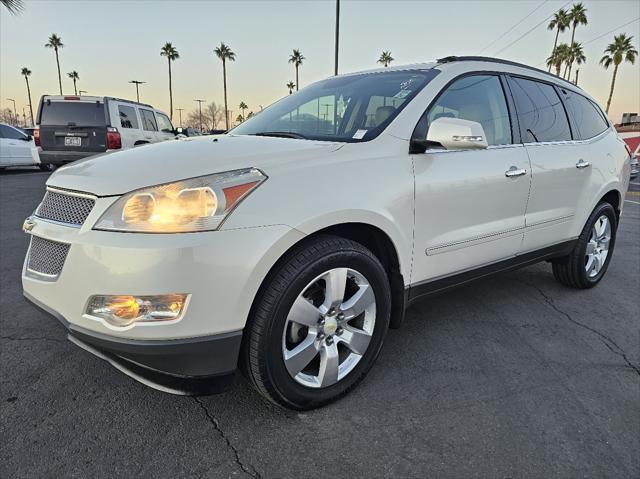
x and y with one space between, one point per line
281 134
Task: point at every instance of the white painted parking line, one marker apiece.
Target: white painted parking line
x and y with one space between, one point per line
634 202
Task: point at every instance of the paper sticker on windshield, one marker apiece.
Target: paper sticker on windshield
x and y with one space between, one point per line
359 135
402 94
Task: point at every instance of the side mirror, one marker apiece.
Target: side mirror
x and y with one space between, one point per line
28 138
457 134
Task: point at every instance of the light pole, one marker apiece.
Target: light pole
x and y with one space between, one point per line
80 92
180 110
137 83
337 34
200 107
15 116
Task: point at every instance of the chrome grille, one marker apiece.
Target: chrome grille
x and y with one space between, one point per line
65 208
47 257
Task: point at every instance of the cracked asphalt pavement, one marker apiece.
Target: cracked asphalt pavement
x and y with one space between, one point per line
513 376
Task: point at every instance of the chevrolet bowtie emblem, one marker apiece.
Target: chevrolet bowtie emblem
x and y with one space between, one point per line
28 224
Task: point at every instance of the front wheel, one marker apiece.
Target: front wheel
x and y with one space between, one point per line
587 263
318 324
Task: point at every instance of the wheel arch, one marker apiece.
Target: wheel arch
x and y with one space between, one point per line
370 236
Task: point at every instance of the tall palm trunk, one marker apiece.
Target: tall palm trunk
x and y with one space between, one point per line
170 93
29 94
224 82
613 84
570 60
59 76
555 43
558 67
74 87
296 77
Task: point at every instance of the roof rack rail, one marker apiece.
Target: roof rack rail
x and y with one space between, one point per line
453 58
128 101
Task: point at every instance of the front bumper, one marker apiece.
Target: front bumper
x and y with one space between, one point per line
203 365
221 271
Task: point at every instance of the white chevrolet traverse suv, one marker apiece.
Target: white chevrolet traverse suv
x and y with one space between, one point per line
291 244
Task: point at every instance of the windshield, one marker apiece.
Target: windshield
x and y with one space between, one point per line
346 108
62 113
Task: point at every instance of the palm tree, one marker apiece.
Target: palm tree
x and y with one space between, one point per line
559 23
296 58
75 77
55 42
243 106
617 52
239 119
291 86
27 73
169 51
224 53
385 58
14 6
576 54
558 57
577 16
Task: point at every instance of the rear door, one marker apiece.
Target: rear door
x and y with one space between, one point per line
73 125
15 146
149 125
557 180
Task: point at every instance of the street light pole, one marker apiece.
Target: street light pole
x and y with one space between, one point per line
15 116
180 110
200 107
337 34
137 83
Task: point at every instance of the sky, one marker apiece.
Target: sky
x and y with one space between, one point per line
111 42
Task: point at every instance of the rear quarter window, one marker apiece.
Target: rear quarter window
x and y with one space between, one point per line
586 116
62 113
128 117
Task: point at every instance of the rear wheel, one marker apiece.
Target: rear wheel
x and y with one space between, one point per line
318 324
587 263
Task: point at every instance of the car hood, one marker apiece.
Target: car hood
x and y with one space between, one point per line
124 171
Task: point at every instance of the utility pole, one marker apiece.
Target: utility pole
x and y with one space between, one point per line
80 92
24 117
200 106
337 34
15 116
180 110
137 83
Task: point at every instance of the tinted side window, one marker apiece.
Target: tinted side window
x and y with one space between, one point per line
585 115
11 133
540 112
478 98
164 123
148 120
128 117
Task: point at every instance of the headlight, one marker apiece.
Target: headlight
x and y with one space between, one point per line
196 204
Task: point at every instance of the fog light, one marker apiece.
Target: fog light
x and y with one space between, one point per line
123 310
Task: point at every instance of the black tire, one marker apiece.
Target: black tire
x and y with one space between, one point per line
47 167
262 359
570 270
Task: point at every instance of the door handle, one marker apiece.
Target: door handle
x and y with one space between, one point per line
582 164
514 172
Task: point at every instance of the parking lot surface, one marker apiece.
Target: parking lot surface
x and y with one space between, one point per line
513 376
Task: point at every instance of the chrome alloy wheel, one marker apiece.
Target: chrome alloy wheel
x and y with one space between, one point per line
598 246
329 327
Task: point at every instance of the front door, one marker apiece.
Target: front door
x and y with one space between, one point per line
468 212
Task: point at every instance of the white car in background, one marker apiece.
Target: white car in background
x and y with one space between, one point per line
16 148
75 127
290 245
